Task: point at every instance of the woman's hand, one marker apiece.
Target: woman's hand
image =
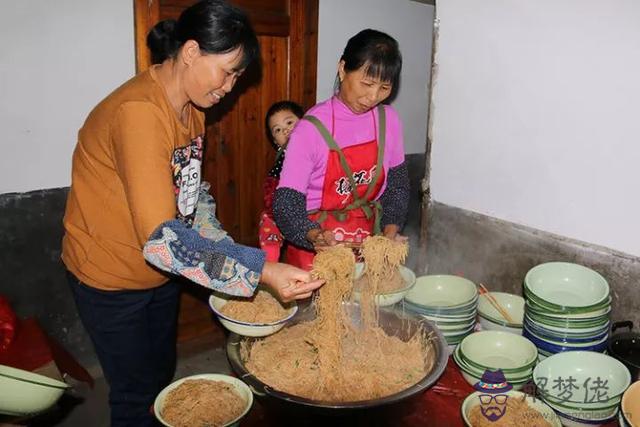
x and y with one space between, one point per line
391 232
288 282
321 238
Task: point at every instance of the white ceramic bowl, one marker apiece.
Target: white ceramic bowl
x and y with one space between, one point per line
576 417
488 325
544 410
240 387
389 298
216 302
25 393
513 305
583 367
442 291
518 376
565 284
499 350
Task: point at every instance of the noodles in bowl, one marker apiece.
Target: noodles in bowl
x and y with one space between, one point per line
258 316
203 400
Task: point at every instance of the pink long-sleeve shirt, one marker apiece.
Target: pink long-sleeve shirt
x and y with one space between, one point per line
307 153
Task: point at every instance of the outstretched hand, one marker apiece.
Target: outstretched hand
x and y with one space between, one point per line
288 282
321 239
391 232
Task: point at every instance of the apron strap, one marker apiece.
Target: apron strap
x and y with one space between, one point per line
370 208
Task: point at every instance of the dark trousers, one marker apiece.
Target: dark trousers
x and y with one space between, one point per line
134 335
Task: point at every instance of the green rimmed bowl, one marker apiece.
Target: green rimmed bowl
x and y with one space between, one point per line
581 367
565 286
515 376
451 321
499 350
24 393
583 417
567 323
600 310
490 325
385 299
513 305
448 328
567 312
546 413
443 292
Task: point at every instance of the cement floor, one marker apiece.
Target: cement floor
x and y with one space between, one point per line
85 406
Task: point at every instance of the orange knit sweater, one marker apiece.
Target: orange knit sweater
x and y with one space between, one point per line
123 184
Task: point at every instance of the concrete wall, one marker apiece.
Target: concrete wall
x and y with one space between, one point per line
411 24
536 115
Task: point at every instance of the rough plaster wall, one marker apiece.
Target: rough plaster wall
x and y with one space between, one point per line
57 60
535 117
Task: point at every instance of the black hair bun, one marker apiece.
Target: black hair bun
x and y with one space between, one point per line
162 41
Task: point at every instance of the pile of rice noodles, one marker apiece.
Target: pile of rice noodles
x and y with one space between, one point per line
261 308
332 358
202 403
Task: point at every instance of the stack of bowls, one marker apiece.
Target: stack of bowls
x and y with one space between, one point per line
583 387
491 350
448 301
491 319
567 308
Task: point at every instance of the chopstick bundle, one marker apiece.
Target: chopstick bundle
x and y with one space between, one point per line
494 302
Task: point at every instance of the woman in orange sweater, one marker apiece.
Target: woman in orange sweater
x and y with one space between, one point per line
137 211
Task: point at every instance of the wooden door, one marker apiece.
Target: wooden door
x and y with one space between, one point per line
237 155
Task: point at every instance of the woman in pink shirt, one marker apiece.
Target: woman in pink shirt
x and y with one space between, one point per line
345 175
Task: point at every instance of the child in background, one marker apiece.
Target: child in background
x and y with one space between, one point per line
279 122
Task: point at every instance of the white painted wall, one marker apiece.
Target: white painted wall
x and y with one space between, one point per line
411 24
537 116
57 60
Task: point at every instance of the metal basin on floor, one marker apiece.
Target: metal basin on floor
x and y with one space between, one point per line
394 322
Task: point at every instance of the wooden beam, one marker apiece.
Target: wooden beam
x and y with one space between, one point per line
303 51
146 13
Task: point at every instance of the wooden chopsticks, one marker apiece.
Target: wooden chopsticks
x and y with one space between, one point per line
494 302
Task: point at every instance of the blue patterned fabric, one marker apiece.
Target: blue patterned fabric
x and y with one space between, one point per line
205 222
221 265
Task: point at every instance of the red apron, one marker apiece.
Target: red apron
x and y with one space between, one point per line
351 215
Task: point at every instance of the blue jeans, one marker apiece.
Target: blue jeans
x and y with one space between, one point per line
134 335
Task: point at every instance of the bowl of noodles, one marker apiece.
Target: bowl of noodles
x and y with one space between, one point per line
203 400
391 289
519 409
258 316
